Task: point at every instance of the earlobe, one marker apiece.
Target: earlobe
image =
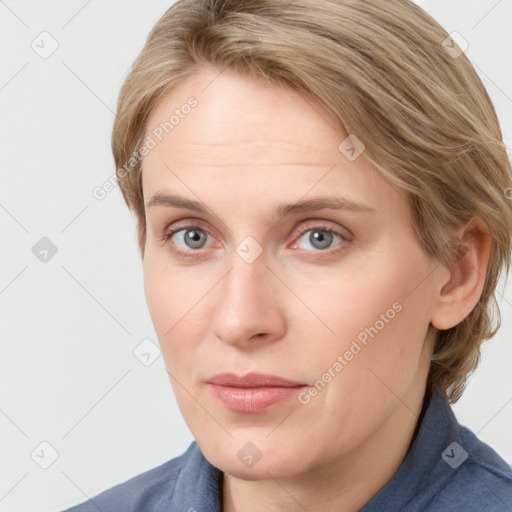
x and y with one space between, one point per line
459 295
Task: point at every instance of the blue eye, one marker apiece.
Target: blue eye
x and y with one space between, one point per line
192 236
190 239
320 239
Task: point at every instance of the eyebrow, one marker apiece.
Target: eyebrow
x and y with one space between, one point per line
320 203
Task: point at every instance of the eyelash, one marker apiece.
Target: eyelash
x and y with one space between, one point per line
298 233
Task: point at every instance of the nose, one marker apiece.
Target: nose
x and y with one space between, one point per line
249 307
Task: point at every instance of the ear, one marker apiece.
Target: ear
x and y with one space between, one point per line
458 296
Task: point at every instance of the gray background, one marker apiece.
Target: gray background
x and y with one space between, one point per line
69 326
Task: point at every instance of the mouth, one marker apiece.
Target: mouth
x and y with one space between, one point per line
251 393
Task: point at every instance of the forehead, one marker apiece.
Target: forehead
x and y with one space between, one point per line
234 111
254 137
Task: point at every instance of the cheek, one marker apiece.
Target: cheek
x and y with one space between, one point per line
165 301
176 304
158 294
179 321
378 317
380 321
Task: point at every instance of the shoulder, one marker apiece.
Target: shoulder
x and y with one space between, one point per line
447 469
141 493
480 479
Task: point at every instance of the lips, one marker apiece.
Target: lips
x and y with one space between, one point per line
253 392
252 380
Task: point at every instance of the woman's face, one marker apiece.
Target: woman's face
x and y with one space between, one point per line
335 299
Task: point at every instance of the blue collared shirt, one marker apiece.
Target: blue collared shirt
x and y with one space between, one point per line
447 469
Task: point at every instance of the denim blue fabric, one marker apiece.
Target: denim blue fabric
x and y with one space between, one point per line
447 469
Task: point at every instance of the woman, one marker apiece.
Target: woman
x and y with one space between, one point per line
321 197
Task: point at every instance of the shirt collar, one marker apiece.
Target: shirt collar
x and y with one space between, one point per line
423 467
198 487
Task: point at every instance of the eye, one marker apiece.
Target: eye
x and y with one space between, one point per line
191 237
321 239
187 240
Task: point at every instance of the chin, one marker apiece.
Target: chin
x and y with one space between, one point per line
256 460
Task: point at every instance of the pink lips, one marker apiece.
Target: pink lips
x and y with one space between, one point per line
253 392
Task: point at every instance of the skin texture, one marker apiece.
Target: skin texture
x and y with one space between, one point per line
244 149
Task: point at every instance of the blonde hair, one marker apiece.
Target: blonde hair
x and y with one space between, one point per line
390 75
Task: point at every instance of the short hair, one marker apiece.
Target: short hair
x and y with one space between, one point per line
395 79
